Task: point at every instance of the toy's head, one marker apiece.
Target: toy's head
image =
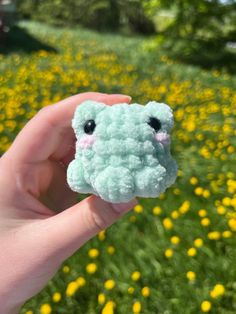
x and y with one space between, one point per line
122 151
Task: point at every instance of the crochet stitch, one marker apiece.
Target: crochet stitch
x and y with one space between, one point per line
122 151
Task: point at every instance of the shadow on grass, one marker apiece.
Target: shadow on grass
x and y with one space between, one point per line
19 40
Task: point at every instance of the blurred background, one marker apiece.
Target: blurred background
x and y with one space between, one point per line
174 254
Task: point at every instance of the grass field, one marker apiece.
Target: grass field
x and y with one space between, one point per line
171 255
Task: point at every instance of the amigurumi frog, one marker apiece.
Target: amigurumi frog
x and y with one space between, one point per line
122 151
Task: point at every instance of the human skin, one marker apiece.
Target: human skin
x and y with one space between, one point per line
41 221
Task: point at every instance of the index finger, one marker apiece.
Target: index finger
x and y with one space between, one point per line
49 132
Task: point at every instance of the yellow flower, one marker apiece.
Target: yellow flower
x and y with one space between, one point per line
175 240
130 290
111 250
217 291
202 212
66 269
226 234
193 180
167 223
214 235
91 268
45 309
169 253
232 224
184 208
132 218
205 222
221 210
101 298
191 275
29 312
226 201
136 275
137 307
72 287
198 242
102 235
81 281
157 210
206 306
198 191
192 252
93 253
56 297
109 284
175 214
138 208
146 292
108 308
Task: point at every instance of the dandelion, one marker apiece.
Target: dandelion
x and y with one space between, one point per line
193 180
80 281
232 224
198 191
167 223
227 234
217 291
137 307
192 252
101 298
45 309
29 312
130 290
71 289
102 235
66 269
198 242
191 275
145 292
108 308
109 284
202 212
205 222
136 275
169 253
157 210
111 250
91 268
175 240
206 306
214 235
175 214
221 210
138 208
93 253
56 297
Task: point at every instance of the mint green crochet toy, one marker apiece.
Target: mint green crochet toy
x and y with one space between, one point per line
122 151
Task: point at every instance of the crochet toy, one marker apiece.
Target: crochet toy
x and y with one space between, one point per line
122 151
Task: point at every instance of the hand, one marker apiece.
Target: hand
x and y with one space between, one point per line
36 232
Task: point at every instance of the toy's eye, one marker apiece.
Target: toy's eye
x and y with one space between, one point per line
155 123
89 126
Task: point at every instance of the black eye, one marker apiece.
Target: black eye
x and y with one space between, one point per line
89 126
155 123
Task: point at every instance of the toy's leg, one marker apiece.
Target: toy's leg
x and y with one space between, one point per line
150 182
115 185
75 178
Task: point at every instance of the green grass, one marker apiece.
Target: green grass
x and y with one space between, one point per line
203 143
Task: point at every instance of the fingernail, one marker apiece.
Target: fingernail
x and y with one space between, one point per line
125 207
122 95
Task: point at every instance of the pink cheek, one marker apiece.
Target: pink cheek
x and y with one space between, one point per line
86 141
162 138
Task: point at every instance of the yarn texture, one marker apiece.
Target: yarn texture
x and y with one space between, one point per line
122 151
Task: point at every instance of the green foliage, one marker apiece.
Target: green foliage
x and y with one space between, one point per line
98 14
198 31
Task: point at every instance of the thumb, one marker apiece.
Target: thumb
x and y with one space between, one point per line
69 230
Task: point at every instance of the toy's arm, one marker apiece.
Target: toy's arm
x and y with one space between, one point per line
75 178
